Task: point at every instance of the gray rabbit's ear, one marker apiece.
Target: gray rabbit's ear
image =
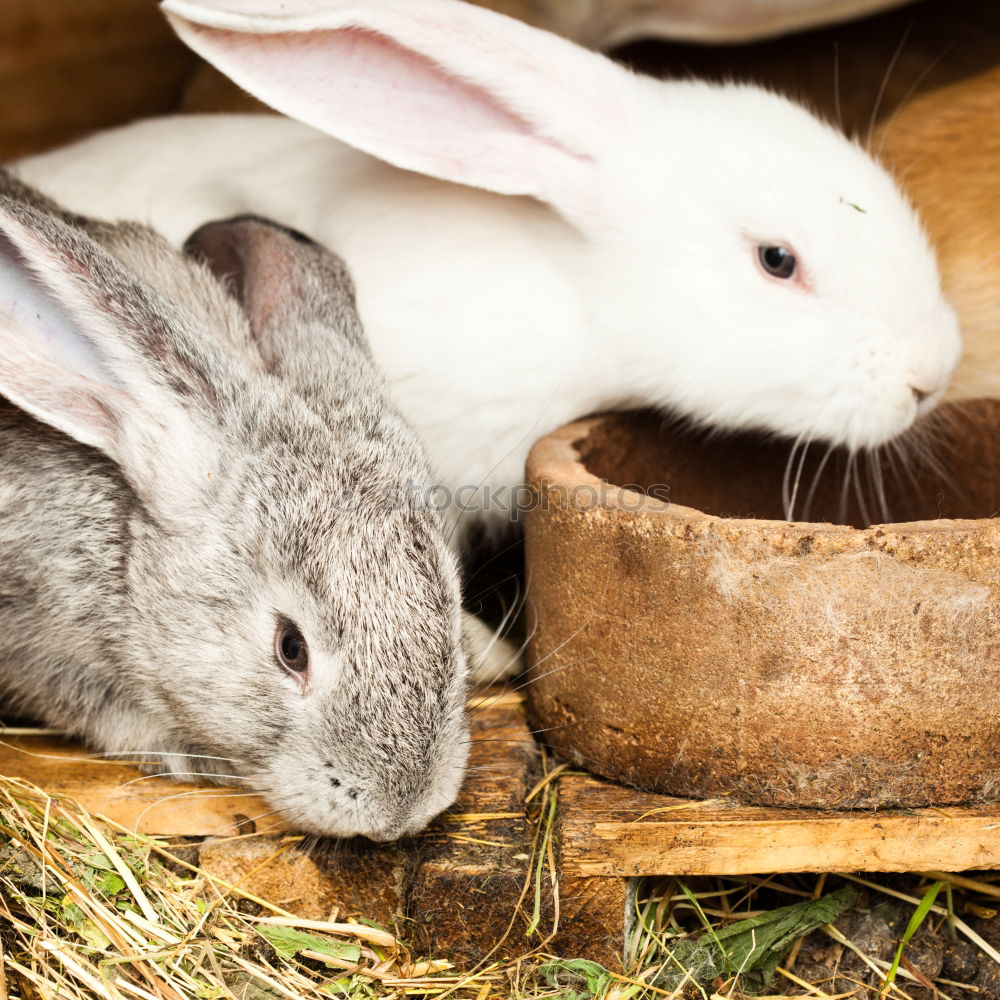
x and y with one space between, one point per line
95 353
297 296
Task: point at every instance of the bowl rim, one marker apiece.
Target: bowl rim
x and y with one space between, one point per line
555 461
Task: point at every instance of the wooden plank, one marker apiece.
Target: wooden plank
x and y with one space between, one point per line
464 888
608 830
592 919
325 881
155 805
122 793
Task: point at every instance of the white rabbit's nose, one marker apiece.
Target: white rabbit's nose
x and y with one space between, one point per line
929 378
926 393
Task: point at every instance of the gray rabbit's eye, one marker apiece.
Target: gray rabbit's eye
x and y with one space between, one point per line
778 261
290 647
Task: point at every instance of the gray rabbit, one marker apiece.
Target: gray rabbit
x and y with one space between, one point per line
210 554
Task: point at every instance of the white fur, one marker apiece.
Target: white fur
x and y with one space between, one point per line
628 277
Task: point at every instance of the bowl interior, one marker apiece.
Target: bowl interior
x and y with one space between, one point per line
948 467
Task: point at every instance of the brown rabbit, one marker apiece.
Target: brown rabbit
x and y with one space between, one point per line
944 148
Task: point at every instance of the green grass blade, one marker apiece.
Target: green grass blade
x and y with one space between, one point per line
919 916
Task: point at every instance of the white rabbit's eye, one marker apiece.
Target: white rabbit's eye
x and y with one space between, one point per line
290 647
777 260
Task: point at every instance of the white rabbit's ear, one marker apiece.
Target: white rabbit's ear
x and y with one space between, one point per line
437 86
84 348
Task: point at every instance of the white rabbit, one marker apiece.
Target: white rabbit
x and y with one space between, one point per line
715 251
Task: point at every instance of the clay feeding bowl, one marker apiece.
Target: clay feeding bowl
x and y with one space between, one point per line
687 639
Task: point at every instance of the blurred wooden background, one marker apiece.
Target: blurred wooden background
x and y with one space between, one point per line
68 67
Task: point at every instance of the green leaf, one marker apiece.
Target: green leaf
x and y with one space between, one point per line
81 924
247 987
577 970
97 860
373 923
354 987
207 991
109 883
72 913
339 987
706 923
93 935
288 942
754 947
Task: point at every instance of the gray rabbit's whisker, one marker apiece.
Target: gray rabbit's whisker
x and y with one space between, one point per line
585 624
179 774
531 732
481 566
520 649
513 661
164 799
506 690
290 815
476 598
166 753
99 758
533 677
554 651
163 753
499 632
512 740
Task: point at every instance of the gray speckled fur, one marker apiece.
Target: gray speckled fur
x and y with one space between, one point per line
138 597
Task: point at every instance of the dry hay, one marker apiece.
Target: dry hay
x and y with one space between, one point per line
89 909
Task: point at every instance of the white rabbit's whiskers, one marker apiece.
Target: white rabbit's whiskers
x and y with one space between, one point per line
877 106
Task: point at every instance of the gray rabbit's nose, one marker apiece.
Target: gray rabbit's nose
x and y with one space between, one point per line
392 829
352 792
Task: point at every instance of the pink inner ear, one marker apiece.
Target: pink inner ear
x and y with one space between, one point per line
387 100
418 88
71 403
